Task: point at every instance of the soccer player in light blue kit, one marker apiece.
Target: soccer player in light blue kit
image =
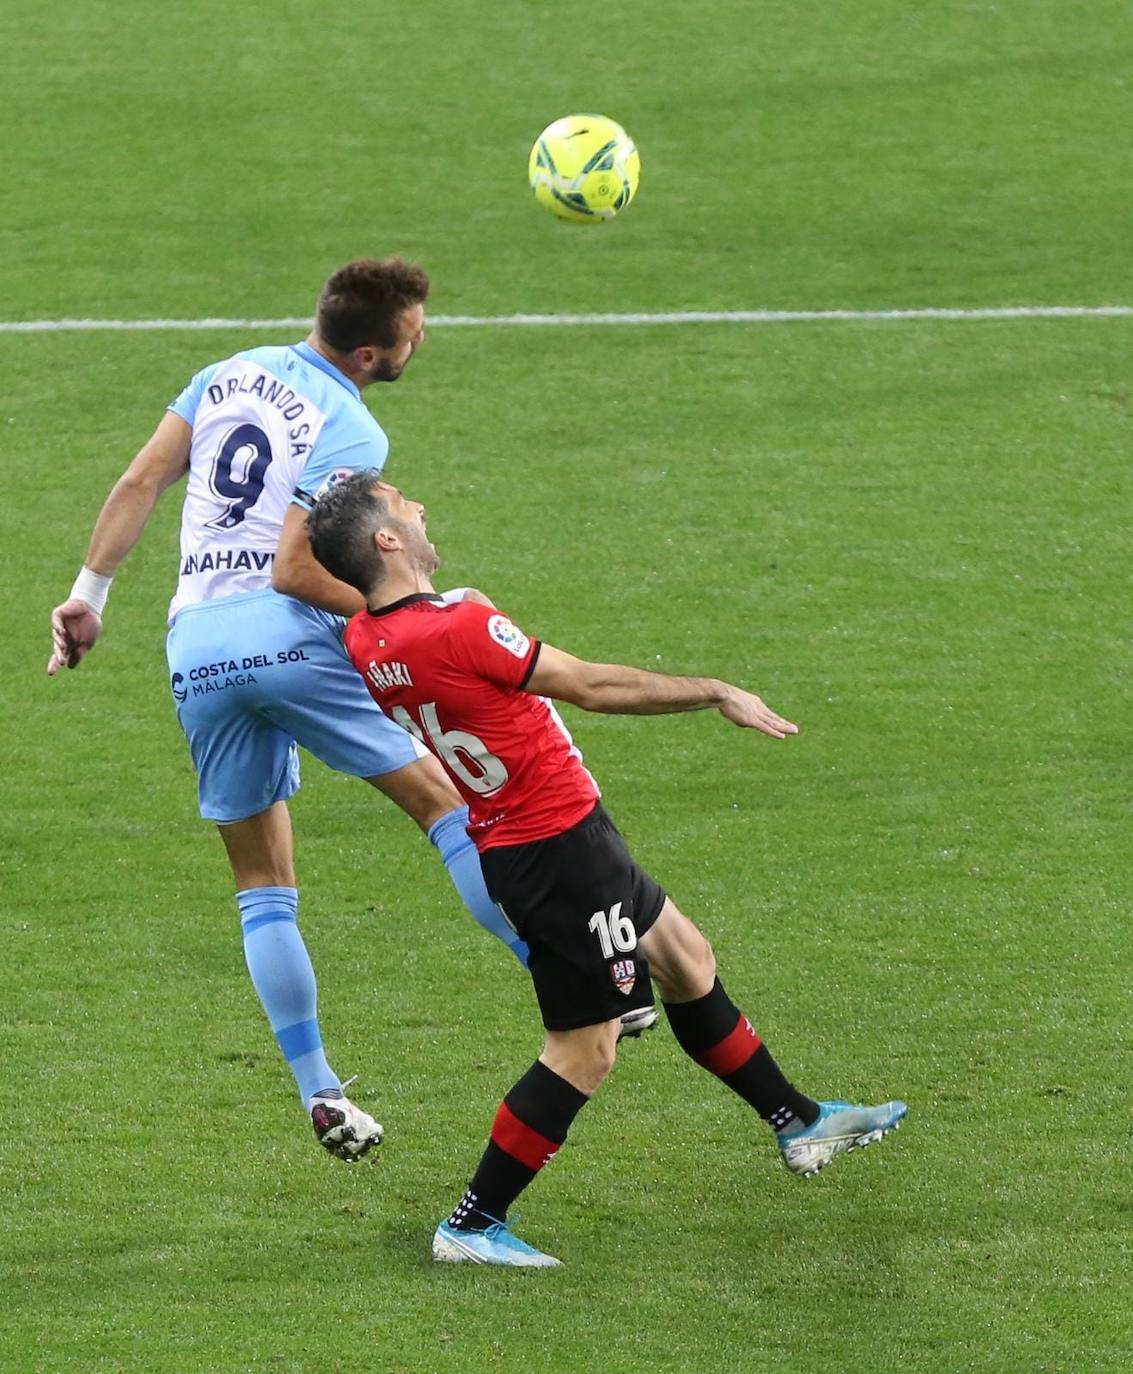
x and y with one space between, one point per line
255 643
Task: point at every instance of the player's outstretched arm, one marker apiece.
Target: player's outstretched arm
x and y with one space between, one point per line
615 689
77 622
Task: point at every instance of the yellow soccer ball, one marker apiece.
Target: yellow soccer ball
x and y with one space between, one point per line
584 168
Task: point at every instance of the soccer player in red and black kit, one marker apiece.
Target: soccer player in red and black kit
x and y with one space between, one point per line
476 691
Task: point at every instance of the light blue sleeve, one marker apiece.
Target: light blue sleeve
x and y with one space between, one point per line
186 404
349 447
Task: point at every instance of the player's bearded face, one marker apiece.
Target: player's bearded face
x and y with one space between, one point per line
424 554
430 559
386 368
390 363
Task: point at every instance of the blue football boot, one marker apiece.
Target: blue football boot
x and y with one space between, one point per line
496 1245
840 1127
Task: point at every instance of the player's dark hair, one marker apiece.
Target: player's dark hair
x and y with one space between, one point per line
341 529
363 301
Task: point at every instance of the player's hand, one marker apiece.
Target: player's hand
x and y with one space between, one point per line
74 630
455 595
474 594
746 709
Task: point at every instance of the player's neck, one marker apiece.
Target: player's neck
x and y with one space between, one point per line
340 360
397 587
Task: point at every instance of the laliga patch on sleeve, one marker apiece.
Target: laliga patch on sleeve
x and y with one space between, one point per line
333 479
509 636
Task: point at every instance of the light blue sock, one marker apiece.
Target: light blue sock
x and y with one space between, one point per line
463 864
285 981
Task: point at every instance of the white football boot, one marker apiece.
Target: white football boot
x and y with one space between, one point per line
343 1129
635 1022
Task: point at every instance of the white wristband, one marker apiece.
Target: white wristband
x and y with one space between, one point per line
92 588
454 594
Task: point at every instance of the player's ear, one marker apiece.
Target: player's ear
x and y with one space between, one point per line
386 540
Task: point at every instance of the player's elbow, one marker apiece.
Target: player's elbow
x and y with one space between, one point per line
594 690
159 463
575 694
580 684
140 484
287 575
584 698
284 578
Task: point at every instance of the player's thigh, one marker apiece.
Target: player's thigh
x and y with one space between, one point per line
579 901
680 958
245 763
318 697
422 789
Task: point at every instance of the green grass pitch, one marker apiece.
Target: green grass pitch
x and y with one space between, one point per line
910 537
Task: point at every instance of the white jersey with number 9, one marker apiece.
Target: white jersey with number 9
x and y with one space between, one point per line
268 425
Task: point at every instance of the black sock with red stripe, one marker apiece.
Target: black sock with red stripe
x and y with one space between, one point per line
714 1032
530 1125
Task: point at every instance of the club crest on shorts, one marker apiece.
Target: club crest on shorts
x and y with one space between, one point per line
508 636
624 974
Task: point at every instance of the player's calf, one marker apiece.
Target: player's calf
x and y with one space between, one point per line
714 1033
531 1124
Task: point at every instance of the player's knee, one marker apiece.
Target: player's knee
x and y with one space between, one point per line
605 1054
592 1066
698 972
707 965
583 1057
687 973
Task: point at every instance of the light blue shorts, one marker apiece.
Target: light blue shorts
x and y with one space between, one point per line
252 676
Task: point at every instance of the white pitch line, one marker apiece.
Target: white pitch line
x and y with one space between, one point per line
1008 312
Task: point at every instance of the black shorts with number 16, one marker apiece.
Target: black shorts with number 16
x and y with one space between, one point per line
581 903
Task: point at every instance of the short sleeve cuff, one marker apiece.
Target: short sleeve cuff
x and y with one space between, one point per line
531 662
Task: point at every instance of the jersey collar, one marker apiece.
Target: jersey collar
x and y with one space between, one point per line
410 600
309 355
